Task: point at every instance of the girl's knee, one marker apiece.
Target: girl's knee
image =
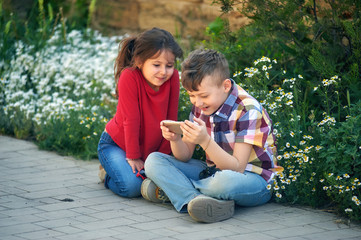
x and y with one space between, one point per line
125 187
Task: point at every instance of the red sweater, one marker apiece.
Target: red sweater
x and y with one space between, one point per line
136 125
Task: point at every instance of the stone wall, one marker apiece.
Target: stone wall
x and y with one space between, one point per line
184 17
181 17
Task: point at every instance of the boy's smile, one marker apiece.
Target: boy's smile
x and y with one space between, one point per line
209 97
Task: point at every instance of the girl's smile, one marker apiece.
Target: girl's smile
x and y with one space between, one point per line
159 69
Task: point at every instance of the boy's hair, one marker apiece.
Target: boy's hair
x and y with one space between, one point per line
137 49
201 63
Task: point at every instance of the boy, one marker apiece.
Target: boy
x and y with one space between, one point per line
235 132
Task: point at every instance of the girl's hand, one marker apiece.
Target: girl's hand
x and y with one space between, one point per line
168 135
195 132
136 164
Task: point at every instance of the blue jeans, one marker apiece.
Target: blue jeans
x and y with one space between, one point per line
180 181
120 177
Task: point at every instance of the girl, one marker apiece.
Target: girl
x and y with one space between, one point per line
148 92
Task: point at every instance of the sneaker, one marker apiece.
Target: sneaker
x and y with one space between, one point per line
152 192
206 209
101 173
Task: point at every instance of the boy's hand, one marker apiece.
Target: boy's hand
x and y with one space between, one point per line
195 132
168 135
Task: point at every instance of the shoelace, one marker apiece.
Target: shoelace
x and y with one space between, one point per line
161 195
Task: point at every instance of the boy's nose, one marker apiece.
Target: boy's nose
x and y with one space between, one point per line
198 102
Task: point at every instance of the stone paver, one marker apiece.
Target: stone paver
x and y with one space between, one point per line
47 196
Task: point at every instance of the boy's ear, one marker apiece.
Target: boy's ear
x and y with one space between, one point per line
227 85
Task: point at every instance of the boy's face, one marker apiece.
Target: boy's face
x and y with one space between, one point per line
210 97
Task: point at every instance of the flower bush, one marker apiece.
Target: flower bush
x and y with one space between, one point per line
321 157
61 94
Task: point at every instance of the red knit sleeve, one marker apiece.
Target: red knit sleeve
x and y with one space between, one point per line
174 97
172 108
128 90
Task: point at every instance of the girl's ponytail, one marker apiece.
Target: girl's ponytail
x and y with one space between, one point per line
124 58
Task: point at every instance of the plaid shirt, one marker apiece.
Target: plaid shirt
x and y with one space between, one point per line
242 119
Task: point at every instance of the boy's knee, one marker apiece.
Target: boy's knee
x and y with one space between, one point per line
151 162
151 159
224 180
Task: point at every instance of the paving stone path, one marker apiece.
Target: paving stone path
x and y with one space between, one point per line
47 196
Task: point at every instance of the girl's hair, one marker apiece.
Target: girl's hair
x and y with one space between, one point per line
136 50
201 63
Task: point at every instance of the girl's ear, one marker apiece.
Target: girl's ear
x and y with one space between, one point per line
227 85
137 63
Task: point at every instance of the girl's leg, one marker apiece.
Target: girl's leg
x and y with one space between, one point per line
246 189
120 177
174 177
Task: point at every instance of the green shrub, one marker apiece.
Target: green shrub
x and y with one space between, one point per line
341 154
316 38
309 147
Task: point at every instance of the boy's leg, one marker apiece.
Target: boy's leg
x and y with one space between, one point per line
119 176
174 177
207 209
152 192
246 189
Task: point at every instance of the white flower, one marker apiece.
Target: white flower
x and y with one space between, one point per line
348 210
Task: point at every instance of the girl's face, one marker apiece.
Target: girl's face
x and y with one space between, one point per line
158 69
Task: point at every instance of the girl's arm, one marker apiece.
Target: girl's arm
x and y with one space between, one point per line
174 97
128 105
172 113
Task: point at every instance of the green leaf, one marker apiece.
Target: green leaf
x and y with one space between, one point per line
216 26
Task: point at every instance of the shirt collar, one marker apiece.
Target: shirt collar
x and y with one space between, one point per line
225 110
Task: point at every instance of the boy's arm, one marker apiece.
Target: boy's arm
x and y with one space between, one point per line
197 134
182 151
223 160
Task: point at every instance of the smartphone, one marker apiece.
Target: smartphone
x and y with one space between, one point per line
174 126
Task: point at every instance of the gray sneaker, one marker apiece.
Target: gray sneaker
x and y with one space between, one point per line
152 192
206 209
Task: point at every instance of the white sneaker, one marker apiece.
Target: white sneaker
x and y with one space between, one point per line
206 209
